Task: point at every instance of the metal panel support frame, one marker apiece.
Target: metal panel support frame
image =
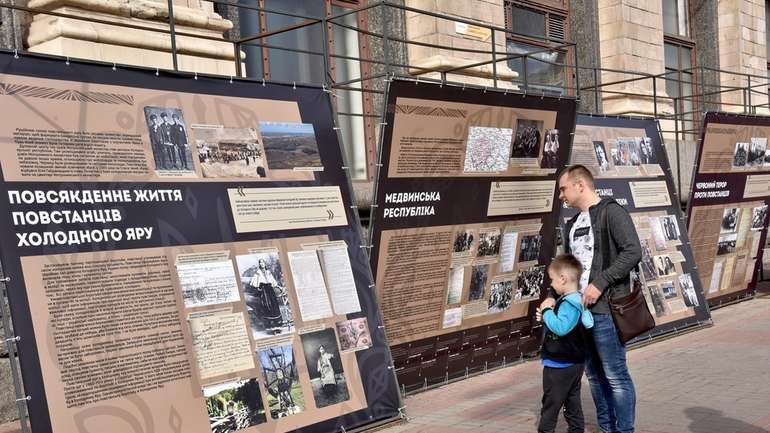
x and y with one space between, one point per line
11 341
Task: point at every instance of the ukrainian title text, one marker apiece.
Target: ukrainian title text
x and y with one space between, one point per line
407 198
82 216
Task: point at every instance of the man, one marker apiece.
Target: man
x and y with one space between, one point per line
168 145
156 140
179 138
605 274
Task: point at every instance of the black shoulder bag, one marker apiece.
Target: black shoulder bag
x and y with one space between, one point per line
630 312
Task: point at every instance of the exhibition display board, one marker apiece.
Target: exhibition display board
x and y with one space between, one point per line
463 224
728 205
630 165
183 255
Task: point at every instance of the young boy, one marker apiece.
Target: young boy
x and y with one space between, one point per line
564 347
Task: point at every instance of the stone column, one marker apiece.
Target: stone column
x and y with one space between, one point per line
444 32
742 49
584 31
631 39
109 42
11 26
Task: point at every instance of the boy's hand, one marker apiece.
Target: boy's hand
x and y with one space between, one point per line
548 302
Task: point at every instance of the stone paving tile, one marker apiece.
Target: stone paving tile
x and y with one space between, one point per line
714 380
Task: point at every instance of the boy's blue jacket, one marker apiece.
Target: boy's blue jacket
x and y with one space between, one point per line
570 311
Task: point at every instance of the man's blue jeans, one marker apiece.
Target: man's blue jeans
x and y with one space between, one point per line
611 386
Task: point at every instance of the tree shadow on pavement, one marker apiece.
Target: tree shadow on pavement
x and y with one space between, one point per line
708 420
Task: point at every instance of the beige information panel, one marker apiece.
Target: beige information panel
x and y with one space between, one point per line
268 209
652 193
515 198
488 272
440 139
162 347
615 151
757 185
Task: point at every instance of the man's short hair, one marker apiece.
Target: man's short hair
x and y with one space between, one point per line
153 117
175 116
568 264
163 115
578 172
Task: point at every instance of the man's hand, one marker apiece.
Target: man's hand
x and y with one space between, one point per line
590 295
538 315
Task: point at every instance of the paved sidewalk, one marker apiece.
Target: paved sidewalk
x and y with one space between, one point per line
715 380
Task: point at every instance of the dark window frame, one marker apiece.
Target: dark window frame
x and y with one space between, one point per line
689 43
548 8
370 137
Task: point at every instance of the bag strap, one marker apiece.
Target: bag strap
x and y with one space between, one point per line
605 237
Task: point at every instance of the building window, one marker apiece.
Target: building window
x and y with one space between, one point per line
536 27
679 51
767 44
676 20
296 56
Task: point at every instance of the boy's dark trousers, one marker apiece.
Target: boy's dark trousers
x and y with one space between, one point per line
561 388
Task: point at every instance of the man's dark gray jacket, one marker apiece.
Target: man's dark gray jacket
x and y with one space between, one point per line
610 270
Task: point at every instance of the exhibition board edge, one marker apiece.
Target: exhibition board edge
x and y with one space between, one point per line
750 292
684 325
386 133
31 354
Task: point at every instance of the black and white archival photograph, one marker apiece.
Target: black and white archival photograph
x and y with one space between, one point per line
647 265
234 406
646 152
767 158
622 152
327 377
526 143
489 242
530 248
665 265
169 138
656 226
657 300
528 284
281 380
758 217
688 290
479 276
668 289
230 152
726 244
669 227
757 152
615 155
500 296
730 218
487 149
463 241
601 156
633 151
455 285
290 146
741 154
267 299
551 149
